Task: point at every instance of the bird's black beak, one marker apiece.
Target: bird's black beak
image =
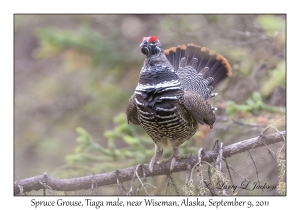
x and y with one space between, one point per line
145 48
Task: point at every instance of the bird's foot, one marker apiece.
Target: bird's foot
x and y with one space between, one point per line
151 165
155 158
173 163
174 158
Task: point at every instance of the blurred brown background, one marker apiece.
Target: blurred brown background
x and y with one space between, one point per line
73 76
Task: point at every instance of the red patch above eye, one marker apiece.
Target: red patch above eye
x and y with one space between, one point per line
153 38
143 38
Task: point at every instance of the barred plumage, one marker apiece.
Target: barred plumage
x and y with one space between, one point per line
170 99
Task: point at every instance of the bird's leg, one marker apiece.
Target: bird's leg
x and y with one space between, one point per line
174 157
158 154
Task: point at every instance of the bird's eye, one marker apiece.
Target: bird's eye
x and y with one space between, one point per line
153 42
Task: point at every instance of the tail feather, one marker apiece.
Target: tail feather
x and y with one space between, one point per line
190 53
175 54
219 67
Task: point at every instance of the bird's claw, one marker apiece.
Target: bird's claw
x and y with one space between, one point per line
173 163
151 165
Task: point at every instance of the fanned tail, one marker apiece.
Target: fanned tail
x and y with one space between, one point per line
218 66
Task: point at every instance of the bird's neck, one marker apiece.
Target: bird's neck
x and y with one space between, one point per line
156 60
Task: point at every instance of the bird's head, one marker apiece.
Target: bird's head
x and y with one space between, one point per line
151 47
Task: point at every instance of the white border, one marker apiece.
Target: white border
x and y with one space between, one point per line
6 74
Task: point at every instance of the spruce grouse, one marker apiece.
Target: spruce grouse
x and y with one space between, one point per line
171 97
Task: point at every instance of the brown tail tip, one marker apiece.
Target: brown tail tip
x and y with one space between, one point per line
224 61
175 54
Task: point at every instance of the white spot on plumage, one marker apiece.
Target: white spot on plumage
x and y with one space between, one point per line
145 113
165 84
166 110
139 103
168 97
165 117
167 121
137 92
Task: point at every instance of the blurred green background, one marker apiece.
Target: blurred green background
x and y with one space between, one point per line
73 76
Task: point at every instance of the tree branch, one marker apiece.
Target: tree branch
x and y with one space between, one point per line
87 182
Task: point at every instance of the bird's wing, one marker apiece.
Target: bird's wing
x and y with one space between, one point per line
131 111
198 107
